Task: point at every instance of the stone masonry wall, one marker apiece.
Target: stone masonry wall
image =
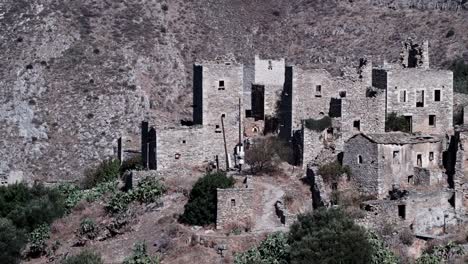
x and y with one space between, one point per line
218 101
270 73
180 148
413 80
234 205
365 174
370 111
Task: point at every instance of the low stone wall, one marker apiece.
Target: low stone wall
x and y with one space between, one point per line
235 206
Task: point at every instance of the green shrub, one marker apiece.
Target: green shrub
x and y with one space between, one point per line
274 249
29 207
84 257
108 170
441 254
332 172
134 163
460 75
148 190
74 194
318 125
38 241
119 202
380 253
12 241
141 256
396 123
88 228
328 236
201 206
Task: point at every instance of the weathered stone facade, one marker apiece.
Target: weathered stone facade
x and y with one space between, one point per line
233 206
382 162
424 96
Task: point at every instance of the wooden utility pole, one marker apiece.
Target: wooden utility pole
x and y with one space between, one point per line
225 145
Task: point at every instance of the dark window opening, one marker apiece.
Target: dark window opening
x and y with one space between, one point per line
402 211
177 156
318 91
343 94
233 202
270 65
410 179
432 120
217 129
359 159
419 160
409 121
183 141
248 113
437 95
431 156
403 96
357 125
221 85
420 98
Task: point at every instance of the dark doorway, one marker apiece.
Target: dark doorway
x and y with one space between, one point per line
402 211
258 102
409 121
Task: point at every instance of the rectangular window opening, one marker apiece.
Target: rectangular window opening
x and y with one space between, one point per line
431 156
396 156
437 95
402 211
233 202
343 94
410 179
419 160
318 91
432 120
218 129
420 98
357 125
403 96
221 85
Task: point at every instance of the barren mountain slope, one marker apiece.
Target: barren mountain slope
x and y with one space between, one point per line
76 75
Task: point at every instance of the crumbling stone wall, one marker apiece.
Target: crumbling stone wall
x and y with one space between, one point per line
234 205
396 163
414 82
361 155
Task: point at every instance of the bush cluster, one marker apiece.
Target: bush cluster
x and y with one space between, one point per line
201 206
441 254
274 249
324 236
141 256
318 125
88 228
84 257
264 154
38 240
12 241
396 123
332 172
108 170
148 190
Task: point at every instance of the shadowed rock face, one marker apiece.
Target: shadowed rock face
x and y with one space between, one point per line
76 75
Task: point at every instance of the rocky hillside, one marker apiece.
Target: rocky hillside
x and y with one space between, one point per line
76 75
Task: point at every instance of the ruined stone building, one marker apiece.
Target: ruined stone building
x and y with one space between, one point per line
383 162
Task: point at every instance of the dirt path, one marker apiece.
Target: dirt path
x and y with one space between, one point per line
266 218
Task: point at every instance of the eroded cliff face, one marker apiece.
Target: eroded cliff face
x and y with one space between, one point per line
76 75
